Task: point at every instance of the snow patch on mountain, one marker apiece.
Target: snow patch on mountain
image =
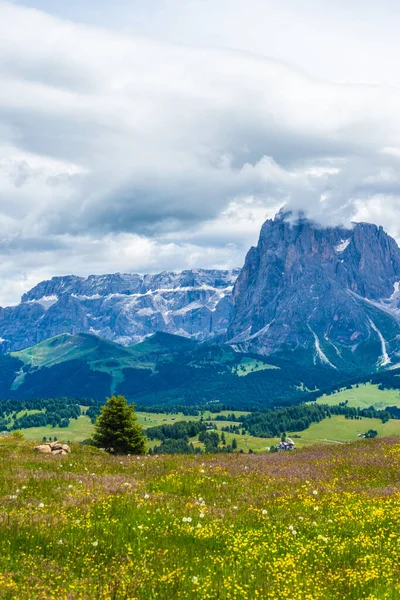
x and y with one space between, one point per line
384 359
319 352
396 291
343 245
46 301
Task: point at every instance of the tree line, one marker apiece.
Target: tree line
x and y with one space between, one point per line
56 412
273 423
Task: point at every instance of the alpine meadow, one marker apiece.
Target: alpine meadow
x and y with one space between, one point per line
199 300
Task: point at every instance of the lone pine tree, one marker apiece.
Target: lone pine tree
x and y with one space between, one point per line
116 428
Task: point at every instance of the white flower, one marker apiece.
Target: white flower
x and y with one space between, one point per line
291 527
325 539
201 470
199 525
195 579
330 521
95 544
140 526
189 519
70 486
15 497
201 515
315 492
60 542
146 496
184 519
234 507
224 483
301 518
264 512
41 505
17 491
316 508
314 523
294 531
24 487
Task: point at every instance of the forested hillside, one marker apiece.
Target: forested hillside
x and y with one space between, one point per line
163 370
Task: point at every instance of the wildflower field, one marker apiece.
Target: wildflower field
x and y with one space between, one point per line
319 523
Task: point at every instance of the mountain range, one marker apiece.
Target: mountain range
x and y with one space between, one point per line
125 308
317 296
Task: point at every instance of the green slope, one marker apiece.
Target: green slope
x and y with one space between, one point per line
66 347
363 396
338 430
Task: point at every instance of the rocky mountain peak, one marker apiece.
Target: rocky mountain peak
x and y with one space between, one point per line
312 290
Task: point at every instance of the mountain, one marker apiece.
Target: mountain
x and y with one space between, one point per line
317 296
124 308
327 296
164 369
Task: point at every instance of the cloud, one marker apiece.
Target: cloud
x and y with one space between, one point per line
120 152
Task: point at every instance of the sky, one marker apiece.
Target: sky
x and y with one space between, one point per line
150 135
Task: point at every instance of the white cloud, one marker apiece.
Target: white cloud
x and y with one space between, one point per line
119 152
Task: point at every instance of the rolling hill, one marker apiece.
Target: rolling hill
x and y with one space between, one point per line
164 369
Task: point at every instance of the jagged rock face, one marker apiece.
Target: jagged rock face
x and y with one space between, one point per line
121 307
323 294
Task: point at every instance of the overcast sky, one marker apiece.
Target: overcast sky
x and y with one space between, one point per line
144 135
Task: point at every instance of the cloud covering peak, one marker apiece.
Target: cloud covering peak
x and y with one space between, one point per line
123 153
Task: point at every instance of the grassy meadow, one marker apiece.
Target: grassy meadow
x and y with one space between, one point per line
363 396
337 429
318 524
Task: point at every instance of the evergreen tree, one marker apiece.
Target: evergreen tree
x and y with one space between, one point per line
116 428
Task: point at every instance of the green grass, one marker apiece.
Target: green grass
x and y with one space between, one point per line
251 365
78 430
81 428
337 429
70 347
333 430
318 524
364 396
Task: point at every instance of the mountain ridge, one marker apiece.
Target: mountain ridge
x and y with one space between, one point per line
327 296
124 308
